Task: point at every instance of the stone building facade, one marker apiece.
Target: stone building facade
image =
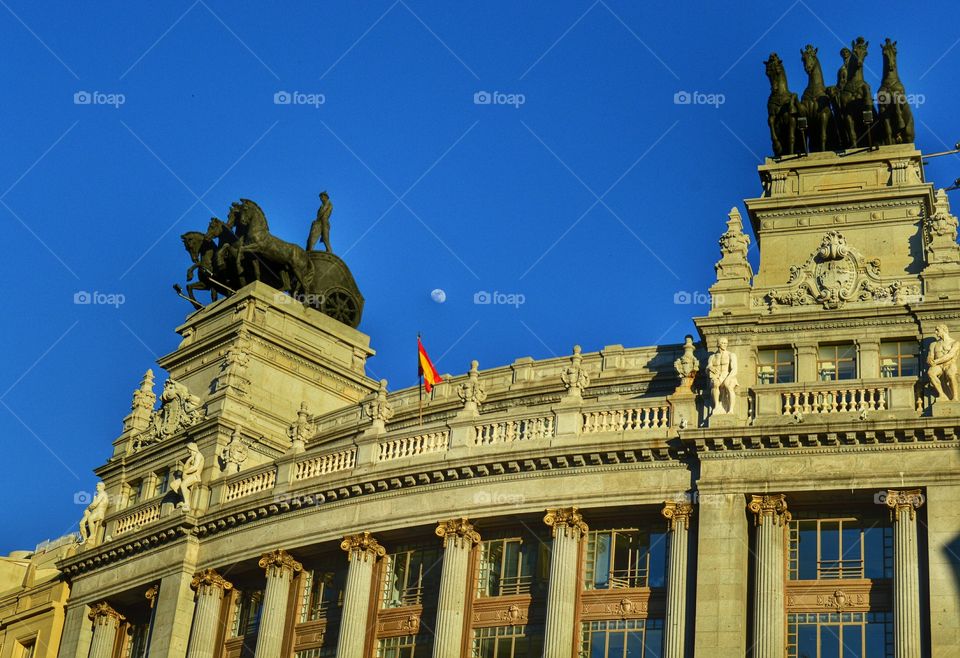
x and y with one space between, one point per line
784 485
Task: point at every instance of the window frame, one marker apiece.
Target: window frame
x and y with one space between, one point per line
901 357
837 360
777 364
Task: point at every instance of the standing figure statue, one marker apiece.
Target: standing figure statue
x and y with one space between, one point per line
782 109
189 476
856 98
942 364
93 516
722 370
815 102
895 114
320 228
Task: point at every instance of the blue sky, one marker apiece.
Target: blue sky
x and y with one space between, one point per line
588 192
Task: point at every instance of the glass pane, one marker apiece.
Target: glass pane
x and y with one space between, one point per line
601 575
847 370
827 353
658 560
851 551
766 356
635 645
597 648
829 642
653 641
785 373
876 639
807 641
616 644
889 349
909 366
807 551
847 351
853 641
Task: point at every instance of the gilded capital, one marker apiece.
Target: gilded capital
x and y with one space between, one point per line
567 520
363 546
279 562
907 499
676 512
773 506
209 580
460 531
103 613
151 594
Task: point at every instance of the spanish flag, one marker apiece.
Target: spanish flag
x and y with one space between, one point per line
425 368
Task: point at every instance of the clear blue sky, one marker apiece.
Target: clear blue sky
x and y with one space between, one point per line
493 197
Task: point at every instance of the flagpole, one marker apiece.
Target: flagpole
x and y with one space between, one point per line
420 372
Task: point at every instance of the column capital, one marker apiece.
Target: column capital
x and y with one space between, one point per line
676 511
103 613
362 545
151 595
770 505
208 579
277 562
901 499
460 530
567 520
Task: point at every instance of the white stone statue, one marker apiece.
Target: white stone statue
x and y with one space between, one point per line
234 453
942 364
189 478
722 370
93 516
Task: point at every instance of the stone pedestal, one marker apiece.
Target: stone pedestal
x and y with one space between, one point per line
906 578
568 529
942 408
280 568
459 538
769 616
210 588
675 627
362 551
106 623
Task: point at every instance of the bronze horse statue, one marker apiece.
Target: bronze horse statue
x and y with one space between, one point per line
895 114
255 238
782 109
856 98
815 102
203 253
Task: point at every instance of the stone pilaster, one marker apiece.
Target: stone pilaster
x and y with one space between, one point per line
675 628
280 568
172 616
769 617
459 538
77 632
568 529
903 506
106 622
210 588
362 552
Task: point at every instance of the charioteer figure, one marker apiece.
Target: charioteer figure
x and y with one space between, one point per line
320 228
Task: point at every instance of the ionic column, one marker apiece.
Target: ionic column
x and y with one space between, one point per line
568 529
362 552
906 579
459 538
675 628
280 568
210 587
106 622
769 616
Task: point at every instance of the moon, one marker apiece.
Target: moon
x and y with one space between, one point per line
438 295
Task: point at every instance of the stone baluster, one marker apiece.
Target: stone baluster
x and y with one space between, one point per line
906 580
769 617
459 538
362 552
280 568
675 628
210 588
568 529
106 623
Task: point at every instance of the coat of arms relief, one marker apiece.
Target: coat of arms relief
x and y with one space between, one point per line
834 274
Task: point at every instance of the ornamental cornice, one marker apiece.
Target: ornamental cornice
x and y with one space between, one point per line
279 563
905 202
677 512
208 579
566 520
848 435
899 500
459 531
324 372
769 506
362 546
102 613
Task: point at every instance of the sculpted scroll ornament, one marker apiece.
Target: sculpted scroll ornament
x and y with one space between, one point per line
772 505
209 578
379 408
574 377
179 410
687 365
835 274
278 561
460 531
471 392
566 520
362 545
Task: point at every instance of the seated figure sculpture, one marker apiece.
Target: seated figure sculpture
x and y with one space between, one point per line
942 364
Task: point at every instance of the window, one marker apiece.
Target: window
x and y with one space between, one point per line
840 634
28 649
508 642
135 494
246 622
512 565
406 646
322 593
625 558
837 362
407 574
624 638
162 482
775 365
840 548
899 358
139 637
